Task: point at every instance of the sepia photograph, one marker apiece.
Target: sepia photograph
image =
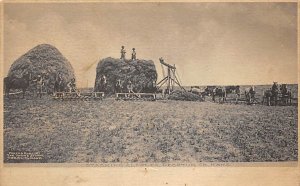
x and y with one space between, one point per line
150 83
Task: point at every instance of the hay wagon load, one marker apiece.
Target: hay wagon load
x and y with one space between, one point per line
126 79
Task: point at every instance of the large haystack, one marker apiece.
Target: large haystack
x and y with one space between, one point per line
142 74
45 60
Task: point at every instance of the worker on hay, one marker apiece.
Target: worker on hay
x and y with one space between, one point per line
118 86
39 85
161 59
72 85
103 83
130 87
133 54
123 52
47 83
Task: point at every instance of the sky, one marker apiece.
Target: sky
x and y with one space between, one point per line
210 43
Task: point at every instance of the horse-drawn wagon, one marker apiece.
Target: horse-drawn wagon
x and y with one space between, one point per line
277 96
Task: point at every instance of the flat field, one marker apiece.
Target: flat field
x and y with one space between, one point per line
111 131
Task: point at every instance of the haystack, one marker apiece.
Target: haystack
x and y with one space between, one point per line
184 96
142 74
45 60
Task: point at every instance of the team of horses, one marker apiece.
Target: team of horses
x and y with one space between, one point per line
276 93
273 96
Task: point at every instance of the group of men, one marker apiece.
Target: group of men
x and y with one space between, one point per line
102 85
123 52
43 83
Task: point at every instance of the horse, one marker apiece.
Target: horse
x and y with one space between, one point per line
275 92
237 93
209 90
267 97
17 83
271 95
231 89
286 94
220 92
250 95
197 90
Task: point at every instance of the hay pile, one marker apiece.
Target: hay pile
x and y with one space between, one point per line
45 60
142 74
184 96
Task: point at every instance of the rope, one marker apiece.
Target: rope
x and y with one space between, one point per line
178 77
163 70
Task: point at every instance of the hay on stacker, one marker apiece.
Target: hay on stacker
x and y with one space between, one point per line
184 96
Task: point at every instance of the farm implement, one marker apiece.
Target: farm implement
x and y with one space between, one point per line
78 95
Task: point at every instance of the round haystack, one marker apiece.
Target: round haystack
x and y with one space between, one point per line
44 60
142 74
184 96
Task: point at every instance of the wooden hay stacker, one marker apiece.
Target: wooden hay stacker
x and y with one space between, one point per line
170 79
78 96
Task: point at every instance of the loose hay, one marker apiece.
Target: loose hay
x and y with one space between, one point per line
142 74
184 96
43 59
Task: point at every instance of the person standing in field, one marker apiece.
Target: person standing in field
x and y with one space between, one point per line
130 87
237 93
72 85
39 85
133 55
123 52
118 86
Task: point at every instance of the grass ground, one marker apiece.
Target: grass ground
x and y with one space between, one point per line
149 132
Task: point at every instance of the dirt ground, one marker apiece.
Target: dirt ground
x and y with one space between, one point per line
149 132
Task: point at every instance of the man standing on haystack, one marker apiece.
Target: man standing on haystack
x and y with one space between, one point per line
123 52
133 55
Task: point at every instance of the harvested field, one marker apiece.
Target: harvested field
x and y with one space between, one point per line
111 131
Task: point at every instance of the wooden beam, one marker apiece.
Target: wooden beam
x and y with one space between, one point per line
166 64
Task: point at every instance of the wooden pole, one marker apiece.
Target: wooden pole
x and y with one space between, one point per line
169 80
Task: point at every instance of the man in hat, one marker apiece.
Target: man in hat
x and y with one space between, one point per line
123 52
130 87
118 86
133 55
275 91
39 85
72 85
161 59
